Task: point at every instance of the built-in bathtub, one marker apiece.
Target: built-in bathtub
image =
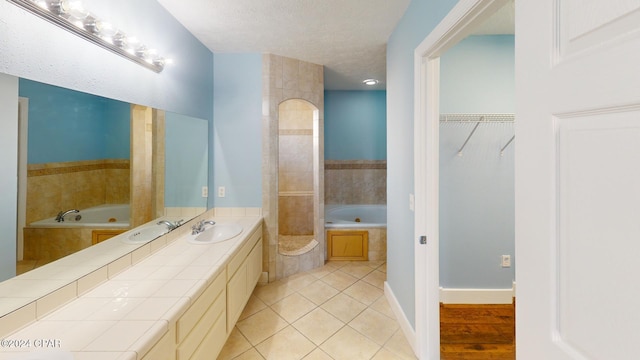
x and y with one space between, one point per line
370 218
47 240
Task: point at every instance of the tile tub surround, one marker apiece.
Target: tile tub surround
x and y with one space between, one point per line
120 311
355 181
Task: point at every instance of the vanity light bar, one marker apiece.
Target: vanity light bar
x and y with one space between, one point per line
70 16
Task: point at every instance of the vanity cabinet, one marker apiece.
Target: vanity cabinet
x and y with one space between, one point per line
243 272
200 333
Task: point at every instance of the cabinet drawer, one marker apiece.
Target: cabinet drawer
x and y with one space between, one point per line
215 313
188 321
241 255
165 349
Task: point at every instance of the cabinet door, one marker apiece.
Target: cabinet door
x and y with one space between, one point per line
254 267
236 296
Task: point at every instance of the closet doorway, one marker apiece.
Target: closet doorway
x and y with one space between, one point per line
457 262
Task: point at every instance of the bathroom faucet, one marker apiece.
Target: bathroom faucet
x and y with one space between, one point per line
169 224
199 226
61 214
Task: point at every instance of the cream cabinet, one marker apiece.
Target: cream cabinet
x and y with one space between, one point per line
200 333
243 272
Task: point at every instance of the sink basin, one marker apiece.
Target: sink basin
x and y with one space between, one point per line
146 234
217 233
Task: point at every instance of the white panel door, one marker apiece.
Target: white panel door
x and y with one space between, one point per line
578 179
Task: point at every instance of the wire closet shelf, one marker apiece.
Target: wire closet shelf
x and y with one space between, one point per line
479 119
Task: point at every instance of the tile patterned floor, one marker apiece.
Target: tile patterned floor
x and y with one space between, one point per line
335 312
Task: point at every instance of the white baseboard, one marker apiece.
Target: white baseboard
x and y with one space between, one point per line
477 296
405 325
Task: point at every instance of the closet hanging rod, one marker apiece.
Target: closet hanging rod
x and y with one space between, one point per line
508 143
470 135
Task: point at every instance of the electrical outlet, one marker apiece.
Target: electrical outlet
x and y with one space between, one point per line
412 202
221 191
205 191
506 261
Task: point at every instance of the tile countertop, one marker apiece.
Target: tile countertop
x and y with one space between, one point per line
125 316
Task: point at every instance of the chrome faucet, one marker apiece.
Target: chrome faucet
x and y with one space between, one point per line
169 224
61 214
198 227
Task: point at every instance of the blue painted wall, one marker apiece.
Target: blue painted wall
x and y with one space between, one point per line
477 75
355 125
418 21
477 199
477 206
237 130
185 157
68 125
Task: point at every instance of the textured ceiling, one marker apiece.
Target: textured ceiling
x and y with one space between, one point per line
348 37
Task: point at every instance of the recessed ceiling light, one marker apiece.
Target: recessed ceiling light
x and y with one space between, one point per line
370 82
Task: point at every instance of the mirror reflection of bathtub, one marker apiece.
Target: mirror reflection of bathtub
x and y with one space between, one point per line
48 239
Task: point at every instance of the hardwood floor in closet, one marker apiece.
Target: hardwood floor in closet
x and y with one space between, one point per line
477 332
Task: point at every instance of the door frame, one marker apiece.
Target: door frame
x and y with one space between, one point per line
457 25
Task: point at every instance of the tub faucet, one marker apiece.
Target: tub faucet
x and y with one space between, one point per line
169 224
61 214
199 226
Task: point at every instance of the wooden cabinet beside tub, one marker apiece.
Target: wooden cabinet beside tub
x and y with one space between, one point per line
200 333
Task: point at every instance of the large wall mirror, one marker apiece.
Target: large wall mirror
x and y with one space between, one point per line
91 168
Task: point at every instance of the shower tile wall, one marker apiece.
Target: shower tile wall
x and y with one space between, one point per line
355 181
54 187
283 79
295 168
142 185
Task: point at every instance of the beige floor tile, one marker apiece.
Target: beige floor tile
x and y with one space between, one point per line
349 344
339 280
299 281
376 278
287 344
273 292
399 345
344 307
236 344
376 263
336 264
385 354
318 325
382 306
251 354
357 270
374 325
293 307
321 271
261 325
318 354
318 292
383 268
253 306
364 292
